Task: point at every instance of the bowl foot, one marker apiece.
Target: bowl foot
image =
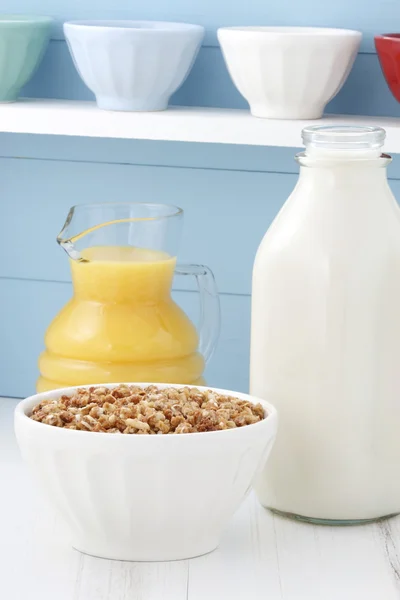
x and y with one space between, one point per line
291 114
123 104
7 97
134 552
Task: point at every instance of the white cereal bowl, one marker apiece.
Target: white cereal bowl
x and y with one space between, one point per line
133 65
288 72
139 497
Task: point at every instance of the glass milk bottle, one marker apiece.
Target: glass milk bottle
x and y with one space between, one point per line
325 340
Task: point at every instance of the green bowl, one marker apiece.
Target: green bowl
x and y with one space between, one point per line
23 41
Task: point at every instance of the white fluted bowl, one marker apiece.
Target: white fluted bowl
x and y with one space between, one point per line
133 65
288 72
140 497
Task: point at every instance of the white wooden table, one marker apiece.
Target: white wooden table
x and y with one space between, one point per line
261 557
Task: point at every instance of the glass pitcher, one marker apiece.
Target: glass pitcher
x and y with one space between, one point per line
121 324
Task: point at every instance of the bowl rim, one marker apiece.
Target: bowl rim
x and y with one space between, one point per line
289 30
394 37
138 26
24 20
24 406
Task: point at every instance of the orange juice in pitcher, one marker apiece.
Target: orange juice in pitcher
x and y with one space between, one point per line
121 324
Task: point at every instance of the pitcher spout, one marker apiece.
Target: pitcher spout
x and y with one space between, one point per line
67 236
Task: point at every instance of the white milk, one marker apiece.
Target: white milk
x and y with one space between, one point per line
325 343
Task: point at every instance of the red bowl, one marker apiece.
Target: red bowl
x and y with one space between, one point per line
388 48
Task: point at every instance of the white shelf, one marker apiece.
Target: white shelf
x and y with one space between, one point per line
261 556
207 125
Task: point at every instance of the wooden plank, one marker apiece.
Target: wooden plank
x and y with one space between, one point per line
226 214
29 306
228 157
331 562
371 17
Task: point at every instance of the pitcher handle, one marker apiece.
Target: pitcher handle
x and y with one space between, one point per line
210 310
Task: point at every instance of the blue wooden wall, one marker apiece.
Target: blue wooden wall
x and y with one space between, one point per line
230 194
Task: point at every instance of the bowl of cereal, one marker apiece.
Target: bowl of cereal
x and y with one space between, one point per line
145 472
